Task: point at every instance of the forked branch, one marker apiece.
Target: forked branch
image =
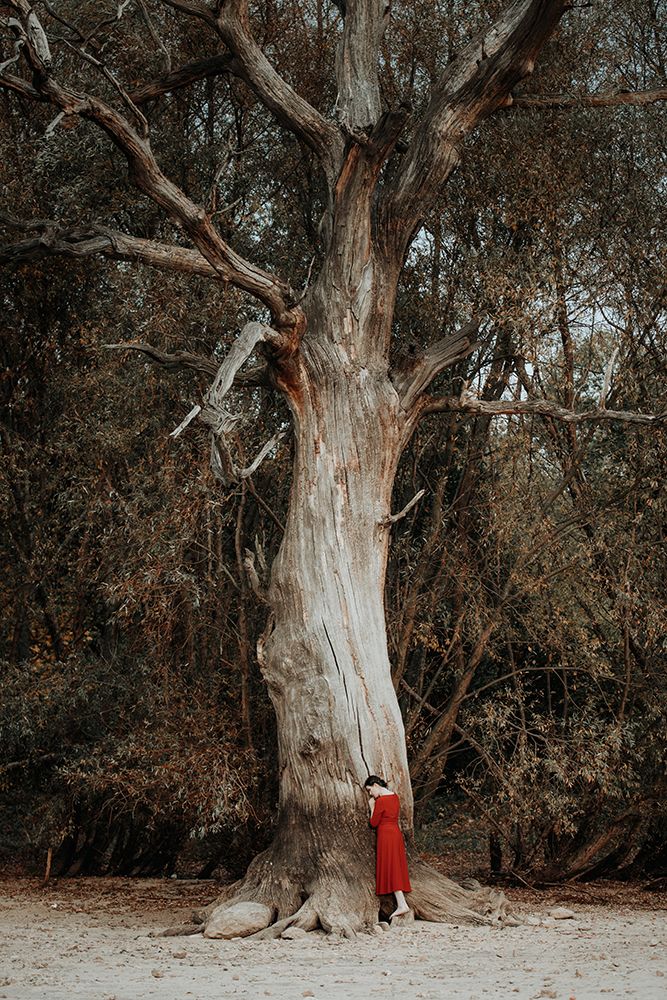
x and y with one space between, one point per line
215 415
476 83
411 383
248 61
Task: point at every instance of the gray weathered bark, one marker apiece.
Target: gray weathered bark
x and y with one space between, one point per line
324 655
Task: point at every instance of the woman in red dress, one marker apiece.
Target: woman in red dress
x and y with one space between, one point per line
391 864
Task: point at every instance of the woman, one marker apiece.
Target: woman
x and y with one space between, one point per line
391 864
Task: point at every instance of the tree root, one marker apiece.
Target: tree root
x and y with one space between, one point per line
343 907
436 897
179 930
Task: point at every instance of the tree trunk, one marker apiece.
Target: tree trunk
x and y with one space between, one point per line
324 654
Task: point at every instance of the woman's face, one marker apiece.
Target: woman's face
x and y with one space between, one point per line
373 791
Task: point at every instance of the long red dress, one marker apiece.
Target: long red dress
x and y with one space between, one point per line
391 864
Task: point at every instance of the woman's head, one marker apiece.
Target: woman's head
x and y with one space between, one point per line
373 784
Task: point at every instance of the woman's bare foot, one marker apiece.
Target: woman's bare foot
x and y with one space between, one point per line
399 911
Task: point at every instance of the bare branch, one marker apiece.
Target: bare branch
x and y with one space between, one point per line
221 421
105 71
180 360
194 412
563 102
211 411
411 383
195 8
476 83
59 241
261 455
20 86
537 407
251 65
393 518
604 392
246 342
358 104
149 178
18 45
200 69
155 35
253 576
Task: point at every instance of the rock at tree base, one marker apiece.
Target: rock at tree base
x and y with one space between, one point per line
238 920
561 913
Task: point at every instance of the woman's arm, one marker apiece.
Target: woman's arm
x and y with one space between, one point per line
376 811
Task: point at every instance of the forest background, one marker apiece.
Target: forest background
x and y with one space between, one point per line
526 591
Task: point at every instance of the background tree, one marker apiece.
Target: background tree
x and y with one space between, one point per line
355 400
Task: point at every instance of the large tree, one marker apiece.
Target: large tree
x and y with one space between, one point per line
383 140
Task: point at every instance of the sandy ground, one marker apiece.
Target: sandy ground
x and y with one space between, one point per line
90 938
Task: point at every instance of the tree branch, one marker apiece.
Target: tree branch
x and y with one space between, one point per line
149 178
180 360
221 421
211 411
357 65
537 407
195 8
261 455
246 342
251 65
175 79
253 576
563 102
55 240
476 83
393 518
412 382
155 35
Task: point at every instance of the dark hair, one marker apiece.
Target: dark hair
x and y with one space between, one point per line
373 779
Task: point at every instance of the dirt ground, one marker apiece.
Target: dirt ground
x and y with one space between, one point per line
90 938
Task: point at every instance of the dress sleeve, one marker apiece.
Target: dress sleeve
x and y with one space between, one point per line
377 812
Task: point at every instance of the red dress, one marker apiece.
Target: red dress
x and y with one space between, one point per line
391 864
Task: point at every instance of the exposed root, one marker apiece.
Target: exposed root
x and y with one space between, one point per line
179 930
344 906
305 918
338 915
436 897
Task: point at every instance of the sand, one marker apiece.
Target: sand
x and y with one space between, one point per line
90 938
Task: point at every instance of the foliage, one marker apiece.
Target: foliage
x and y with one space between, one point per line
526 593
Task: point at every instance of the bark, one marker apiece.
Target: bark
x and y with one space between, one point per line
357 70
